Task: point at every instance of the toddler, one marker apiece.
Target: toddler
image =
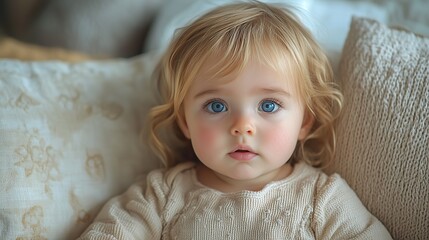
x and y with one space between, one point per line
246 123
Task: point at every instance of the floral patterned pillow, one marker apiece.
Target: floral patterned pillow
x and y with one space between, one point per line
69 140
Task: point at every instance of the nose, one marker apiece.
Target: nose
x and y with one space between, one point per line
243 125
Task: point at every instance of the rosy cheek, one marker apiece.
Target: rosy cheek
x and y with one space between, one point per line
278 141
206 134
205 137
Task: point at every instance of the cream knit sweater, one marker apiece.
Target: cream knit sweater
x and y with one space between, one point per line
174 205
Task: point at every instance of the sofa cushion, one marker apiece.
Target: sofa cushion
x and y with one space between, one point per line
383 135
107 28
69 140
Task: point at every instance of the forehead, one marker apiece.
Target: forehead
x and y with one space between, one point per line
224 62
252 74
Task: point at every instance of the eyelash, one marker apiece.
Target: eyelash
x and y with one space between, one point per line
278 105
274 100
208 102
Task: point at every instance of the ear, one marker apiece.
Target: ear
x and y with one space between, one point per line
183 125
306 126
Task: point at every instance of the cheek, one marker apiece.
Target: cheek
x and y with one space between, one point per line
280 139
205 134
204 137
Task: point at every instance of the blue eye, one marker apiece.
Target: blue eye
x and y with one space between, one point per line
216 107
269 106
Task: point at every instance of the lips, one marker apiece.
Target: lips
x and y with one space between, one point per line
243 153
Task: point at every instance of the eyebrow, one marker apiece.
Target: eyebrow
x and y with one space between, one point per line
206 92
263 90
275 91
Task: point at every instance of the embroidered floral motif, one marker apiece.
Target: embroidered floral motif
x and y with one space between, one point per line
38 160
25 102
111 110
94 166
68 98
80 214
17 99
32 221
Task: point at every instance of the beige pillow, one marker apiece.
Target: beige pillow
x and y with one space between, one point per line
14 49
69 140
383 136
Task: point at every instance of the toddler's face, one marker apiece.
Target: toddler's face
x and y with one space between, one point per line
245 128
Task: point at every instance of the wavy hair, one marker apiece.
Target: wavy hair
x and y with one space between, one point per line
235 34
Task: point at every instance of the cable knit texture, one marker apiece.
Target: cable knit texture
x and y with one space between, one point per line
383 137
174 205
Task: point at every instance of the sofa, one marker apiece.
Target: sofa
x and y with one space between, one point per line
71 120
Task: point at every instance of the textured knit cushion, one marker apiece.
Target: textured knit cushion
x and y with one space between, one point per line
383 142
69 140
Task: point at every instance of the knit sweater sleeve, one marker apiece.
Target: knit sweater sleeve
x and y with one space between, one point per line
339 214
136 214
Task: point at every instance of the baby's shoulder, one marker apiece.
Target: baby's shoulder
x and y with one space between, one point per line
322 181
166 177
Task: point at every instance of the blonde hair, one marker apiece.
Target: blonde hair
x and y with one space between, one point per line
236 33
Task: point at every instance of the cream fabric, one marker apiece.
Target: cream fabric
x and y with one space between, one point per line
173 204
69 135
383 142
69 140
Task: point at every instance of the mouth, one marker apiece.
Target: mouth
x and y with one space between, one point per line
239 150
243 153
